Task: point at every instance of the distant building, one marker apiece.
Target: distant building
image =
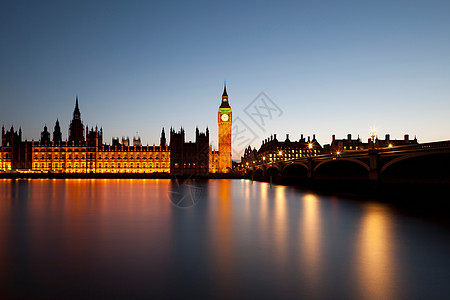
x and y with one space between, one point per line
80 154
339 145
273 150
349 144
387 142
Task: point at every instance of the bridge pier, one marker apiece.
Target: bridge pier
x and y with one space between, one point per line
374 168
310 168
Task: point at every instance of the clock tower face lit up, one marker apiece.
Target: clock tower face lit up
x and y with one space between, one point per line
224 117
224 122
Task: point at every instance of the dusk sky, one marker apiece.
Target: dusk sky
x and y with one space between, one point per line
331 67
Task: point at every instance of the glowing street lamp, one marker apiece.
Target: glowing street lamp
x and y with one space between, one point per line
373 134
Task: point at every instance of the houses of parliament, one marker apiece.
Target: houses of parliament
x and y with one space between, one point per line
85 152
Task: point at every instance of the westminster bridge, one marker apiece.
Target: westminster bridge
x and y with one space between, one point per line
427 163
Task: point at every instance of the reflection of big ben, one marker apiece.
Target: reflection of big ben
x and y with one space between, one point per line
224 121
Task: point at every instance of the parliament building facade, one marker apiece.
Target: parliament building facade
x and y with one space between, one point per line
85 152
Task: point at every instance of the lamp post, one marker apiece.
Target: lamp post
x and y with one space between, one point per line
310 146
373 134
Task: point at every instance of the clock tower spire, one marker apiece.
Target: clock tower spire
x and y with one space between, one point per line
224 122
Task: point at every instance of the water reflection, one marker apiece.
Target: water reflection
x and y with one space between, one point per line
280 226
310 243
222 242
375 264
125 238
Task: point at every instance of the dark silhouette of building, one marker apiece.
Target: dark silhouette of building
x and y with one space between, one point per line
162 141
349 144
45 136
14 154
76 129
94 137
387 142
191 158
339 145
57 135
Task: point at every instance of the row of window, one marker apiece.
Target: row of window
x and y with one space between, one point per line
82 165
85 150
91 156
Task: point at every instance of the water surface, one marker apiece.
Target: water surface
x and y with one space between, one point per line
218 238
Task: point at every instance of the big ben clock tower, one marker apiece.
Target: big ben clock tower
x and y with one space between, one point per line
224 120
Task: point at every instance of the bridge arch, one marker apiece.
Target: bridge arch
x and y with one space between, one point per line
272 171
423 167
342 169
295 170
259 172
357 161
404 157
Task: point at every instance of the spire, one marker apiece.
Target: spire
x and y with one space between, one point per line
225 103
76 111
225 89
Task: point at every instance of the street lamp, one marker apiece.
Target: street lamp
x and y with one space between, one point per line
310 146
373 134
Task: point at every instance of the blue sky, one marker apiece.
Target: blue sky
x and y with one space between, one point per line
332 67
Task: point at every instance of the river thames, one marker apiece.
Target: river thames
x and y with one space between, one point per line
110 238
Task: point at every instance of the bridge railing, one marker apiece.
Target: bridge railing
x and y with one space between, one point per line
423 146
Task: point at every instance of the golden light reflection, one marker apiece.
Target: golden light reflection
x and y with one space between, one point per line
5 225
95 213
222 232
281 226
264 207
310 242
376 268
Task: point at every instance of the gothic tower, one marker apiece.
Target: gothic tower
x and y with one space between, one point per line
57 135
76 129
162 142
224 122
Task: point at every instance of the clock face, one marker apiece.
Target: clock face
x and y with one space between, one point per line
224 117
